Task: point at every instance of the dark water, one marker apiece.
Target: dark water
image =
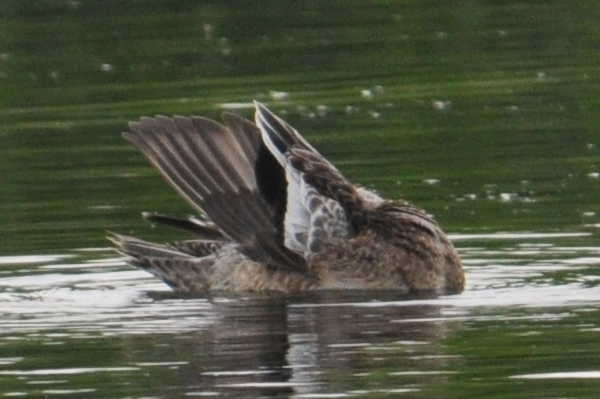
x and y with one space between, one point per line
484 113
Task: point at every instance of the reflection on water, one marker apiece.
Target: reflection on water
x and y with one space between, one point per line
331 343
503 269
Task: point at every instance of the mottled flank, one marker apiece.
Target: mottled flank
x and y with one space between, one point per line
277 216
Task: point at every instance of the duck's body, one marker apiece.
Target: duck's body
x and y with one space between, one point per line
280 217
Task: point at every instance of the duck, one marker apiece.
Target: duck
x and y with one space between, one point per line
274 215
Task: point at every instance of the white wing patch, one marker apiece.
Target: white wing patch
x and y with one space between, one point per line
311 220
297 216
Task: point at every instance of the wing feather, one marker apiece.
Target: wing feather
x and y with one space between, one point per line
212 167
313 215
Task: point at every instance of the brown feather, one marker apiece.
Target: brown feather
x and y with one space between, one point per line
206 163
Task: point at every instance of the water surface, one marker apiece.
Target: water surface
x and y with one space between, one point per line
483 113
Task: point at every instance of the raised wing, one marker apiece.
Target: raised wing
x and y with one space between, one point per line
212 167
320 205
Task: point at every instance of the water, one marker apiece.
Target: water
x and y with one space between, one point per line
105 331
484 114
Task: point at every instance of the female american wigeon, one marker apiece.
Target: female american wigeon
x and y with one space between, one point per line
277 216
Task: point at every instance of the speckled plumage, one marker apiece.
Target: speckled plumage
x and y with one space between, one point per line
279 217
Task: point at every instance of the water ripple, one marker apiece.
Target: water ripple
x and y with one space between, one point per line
90 292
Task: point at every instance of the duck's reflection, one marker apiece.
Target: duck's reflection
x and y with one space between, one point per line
318 345
250 346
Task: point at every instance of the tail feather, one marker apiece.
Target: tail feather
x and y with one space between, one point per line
181 271
197 248
141 249
202 229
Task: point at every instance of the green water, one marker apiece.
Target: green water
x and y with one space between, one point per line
484 113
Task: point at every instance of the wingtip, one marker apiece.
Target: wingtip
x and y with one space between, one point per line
262 110
115 238
135 128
